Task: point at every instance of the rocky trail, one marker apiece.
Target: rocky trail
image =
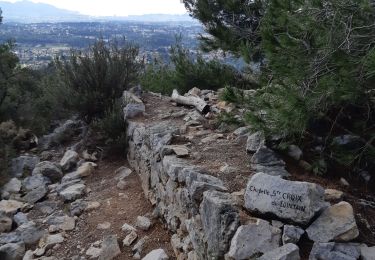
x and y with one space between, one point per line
191 189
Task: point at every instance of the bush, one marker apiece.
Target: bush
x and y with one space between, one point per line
186 71
99 76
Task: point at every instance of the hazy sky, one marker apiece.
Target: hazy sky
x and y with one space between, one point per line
117 7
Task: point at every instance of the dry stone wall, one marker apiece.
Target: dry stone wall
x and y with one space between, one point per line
209 222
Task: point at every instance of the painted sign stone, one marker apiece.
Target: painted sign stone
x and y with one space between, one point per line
296 201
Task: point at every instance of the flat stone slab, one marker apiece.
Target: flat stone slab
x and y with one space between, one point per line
294 201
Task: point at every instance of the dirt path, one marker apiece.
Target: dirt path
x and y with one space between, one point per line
117 207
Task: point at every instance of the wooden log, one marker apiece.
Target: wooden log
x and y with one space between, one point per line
196 102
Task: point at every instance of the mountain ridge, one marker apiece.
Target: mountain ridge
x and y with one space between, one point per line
29 12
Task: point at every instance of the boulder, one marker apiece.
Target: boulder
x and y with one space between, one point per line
61 221
10 207
294 201
12 251
143 223
12 186
220 220
157 254
20 218
110 248
69 160
23 165
34 181
5 223
73 192
134 110
292 234
266 157
254 142
93 252
256 237
35 195
77 207
336 223
286 252
27 233
48 169
367 253
335 251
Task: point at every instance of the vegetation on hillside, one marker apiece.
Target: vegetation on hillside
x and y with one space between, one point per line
187 70
317 71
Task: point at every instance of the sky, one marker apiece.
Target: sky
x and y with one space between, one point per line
117 7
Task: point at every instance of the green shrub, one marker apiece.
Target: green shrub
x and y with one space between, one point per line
186 71
99 76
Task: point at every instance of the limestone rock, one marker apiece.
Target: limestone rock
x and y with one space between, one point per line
20 218
77 207
12 251
138 247
295 152
332 194
122 173
92 205
129 239
292 234
104 226
12 186
24 164
157 254
69 160
86 169
127 228
143 223
336 223
267 157
5 223
48 169
295 201
49 241
35 195
34 181
286 252
10 207
61 221
110 248
93 252
134 110
254 142
253 239
73 192
28 233
335 251
367 253
220 220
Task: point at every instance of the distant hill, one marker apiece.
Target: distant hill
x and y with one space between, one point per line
26 11
29 12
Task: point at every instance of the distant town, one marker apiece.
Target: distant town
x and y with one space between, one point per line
38 43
